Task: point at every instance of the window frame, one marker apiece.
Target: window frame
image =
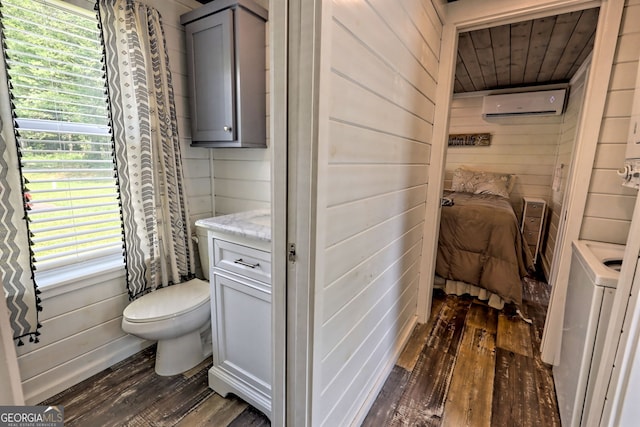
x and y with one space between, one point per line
77 273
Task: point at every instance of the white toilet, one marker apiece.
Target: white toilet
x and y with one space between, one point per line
173 316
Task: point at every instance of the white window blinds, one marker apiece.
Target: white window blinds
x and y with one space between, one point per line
54 57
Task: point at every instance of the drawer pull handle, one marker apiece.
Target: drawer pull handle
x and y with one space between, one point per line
246 264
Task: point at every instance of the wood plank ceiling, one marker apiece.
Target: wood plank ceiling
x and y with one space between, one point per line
528 53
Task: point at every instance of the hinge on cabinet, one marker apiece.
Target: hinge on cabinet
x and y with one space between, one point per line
291 255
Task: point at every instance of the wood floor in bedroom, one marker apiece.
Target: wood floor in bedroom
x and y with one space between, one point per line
470 365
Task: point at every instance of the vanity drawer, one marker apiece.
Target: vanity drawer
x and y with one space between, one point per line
242 260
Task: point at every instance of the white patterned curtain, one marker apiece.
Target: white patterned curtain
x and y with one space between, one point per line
15 259
157 232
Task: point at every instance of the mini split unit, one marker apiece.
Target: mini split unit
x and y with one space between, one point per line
541 103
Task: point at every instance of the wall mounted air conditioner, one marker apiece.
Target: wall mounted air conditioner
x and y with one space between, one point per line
548 102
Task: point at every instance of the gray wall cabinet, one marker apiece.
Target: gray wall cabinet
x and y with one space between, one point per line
227 74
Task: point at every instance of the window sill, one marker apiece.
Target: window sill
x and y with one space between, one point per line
68 279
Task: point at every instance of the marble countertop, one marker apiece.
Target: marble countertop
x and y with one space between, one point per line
250 224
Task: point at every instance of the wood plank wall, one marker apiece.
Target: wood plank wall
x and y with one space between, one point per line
81 333
524 146
609 207
375 166
242 177
196 161
566 146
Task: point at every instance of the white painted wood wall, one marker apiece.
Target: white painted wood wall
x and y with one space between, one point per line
372 172
81 332
241 177
609 208
524 146
563 162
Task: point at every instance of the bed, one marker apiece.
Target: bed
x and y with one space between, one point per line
480 244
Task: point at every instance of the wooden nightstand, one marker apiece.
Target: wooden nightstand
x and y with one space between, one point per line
533 223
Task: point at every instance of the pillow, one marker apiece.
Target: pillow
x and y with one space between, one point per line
481 182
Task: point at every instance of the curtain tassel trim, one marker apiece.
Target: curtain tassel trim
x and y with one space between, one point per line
28 327
33 338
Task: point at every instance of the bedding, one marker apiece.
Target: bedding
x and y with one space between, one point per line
482 182
480 244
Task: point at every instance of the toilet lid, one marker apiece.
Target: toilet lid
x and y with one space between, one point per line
168 302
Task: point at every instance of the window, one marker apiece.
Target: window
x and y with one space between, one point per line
54 57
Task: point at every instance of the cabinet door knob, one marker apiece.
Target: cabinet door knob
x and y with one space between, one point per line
227 128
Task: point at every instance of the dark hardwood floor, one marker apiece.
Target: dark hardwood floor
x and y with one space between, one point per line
470 365
131 394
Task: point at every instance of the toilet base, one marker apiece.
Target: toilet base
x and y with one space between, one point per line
177 355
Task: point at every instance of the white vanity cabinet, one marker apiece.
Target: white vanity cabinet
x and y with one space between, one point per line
240 276
239 248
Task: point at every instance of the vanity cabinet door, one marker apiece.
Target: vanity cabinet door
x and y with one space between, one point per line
210 62
242 338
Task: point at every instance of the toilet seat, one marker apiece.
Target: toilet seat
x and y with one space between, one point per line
168 302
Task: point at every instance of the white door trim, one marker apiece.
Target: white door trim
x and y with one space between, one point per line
278 136
444 92
303 47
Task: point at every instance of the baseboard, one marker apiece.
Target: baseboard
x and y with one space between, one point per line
61 377
361 414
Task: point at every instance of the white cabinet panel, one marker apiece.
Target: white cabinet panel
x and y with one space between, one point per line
243 331
241 322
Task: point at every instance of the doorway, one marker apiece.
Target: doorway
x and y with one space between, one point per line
468 18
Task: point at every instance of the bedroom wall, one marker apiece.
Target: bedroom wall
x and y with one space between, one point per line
563 162
81 317
372 172
525 146
609 207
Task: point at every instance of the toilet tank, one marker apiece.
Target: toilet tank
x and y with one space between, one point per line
203 250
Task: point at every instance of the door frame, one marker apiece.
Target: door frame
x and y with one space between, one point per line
278 59
295 194
463 16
